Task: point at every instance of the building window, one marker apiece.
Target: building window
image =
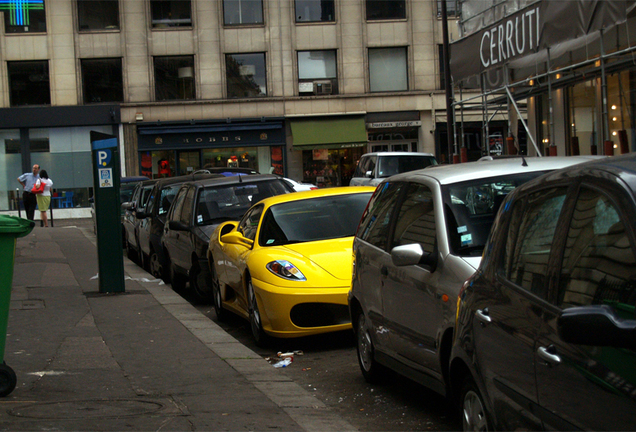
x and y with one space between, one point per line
36 145
315 10
236 12
171 13
26 16
317 73
102 80
246 75
451 8
387 69
98 14
386 9
174 78
29 83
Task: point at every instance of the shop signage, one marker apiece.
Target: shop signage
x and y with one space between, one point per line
395 124
542 25
210 139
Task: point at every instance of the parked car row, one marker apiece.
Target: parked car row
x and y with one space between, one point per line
505 285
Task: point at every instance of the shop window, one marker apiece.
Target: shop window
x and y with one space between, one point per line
29 83
102 80
237 12
246 76
171 13
24 16
174 78
330 167
242 157
386 9
98 14
388 69
451 8
317 73
315 10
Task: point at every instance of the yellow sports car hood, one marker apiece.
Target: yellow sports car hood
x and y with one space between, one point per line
333 256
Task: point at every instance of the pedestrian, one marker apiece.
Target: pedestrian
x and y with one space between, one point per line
27 180
44 199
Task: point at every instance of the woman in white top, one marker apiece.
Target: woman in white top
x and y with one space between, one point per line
44 199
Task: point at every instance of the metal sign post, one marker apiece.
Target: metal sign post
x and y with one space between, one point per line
106 175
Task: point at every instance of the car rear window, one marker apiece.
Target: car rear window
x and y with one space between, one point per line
471 207
216 204
392 165
313 219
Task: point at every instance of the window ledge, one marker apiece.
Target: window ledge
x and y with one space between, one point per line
242 26
83 32
182 28
388 20
310 23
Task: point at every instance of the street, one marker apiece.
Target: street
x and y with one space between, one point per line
329 370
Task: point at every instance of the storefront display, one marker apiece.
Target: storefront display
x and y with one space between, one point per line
329 168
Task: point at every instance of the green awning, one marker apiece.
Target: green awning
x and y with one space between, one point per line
331 132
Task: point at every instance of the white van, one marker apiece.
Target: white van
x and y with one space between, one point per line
374 167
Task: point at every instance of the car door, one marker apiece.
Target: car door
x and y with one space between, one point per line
584 386
129 219
235 256
371 256
412 307
508 307
143 228
170 238
184 242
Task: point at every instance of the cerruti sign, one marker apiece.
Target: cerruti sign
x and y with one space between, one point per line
542 25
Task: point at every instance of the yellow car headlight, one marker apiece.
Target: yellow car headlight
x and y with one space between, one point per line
285 270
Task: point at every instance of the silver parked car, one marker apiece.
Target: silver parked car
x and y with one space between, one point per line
420 238
375 167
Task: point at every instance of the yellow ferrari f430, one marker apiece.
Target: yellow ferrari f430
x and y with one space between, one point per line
286 265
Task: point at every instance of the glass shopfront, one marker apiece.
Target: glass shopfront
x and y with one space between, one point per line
330 167
587 120
65 154
177 149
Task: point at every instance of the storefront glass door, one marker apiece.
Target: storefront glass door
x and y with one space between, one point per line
189 162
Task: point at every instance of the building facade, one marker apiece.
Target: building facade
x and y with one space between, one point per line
301 88
561 72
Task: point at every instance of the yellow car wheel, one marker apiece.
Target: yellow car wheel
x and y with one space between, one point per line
255 316
217 298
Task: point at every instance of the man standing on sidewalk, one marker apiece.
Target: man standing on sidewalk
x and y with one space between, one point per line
27 180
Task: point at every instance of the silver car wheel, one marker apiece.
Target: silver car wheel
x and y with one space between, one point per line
473 412
365 345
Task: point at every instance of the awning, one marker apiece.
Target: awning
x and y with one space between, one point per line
329 132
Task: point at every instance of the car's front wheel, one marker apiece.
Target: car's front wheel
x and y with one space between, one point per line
371 369
177 280
156 269
200 283
255 316
473 409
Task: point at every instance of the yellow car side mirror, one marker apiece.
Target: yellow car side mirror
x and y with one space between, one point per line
237 238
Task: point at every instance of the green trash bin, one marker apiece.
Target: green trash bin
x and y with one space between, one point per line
11 228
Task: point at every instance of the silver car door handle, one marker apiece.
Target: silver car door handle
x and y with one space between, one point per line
546 355
483 316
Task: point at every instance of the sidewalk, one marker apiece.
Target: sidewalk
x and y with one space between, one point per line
142 360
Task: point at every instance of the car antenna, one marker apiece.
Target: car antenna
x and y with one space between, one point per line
240 179
523 161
